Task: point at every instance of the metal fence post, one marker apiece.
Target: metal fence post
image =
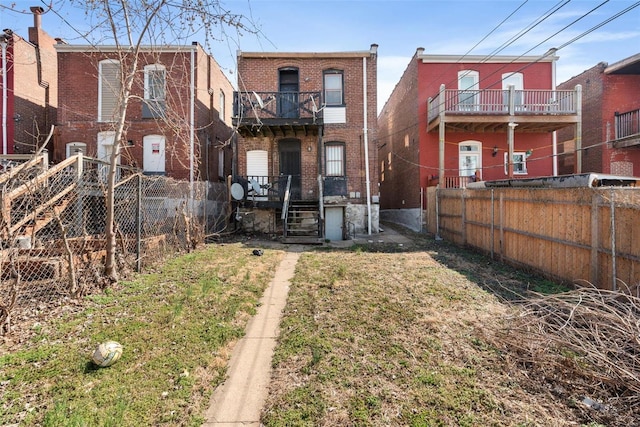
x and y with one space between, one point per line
139 226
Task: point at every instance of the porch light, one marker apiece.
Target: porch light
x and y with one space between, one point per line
495 151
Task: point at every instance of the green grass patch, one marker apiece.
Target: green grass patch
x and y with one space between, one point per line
174 325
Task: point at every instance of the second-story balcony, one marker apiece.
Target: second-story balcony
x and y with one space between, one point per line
627 128
491 110
277 113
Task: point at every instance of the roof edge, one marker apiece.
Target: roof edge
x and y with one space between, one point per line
67 48
484 59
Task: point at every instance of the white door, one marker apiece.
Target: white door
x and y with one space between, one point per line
257 172
470 155
333 223
468 85
517 81
153 154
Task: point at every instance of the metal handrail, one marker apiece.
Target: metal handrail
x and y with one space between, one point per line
277 105
320 206
285 206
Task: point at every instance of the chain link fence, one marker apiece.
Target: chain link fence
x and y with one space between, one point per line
53 223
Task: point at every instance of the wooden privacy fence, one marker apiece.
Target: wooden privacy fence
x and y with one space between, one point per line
575 235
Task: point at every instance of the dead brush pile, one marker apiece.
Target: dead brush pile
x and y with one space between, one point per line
583 346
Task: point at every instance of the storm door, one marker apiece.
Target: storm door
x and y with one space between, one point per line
288 93
290 165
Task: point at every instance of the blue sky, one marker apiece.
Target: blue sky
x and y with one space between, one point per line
399 27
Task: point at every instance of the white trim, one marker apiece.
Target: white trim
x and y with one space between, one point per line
480 59
524 163
147 74
68 48
72 147
100 88
476 151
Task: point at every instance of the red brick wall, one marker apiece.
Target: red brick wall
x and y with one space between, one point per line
432 75
602 96
34 93
592 84
260 74
78 84
398 139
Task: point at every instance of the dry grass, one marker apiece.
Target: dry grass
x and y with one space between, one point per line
383 335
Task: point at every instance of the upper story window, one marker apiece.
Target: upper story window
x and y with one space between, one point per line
154 82
333 87
468 85
517 81
221 100
109 89
154 91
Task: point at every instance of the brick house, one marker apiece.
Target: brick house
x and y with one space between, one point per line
29 88
455 119
611 120
177 124
306 154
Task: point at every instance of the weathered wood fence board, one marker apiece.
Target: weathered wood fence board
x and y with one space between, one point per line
577 235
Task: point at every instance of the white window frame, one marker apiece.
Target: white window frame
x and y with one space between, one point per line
149 71
333 81
519 158
221 101
73 147
108 88
334 159
517 81
475 150
468 101
220 162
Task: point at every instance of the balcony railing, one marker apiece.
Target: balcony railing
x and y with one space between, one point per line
263 188
627 124
277 105
503 102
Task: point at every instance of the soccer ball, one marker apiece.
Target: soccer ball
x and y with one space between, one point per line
107 353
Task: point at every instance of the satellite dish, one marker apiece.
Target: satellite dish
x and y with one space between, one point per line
258 99
237 191
255 186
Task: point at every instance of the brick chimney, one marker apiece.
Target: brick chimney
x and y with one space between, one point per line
36 30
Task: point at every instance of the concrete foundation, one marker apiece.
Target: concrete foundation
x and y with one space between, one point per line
410 218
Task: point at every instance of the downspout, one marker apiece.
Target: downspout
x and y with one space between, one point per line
366 141
191 126
3 43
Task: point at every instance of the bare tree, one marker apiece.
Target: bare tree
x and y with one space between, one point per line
132 26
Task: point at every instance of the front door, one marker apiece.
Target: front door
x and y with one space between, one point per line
290 164
288 93
333 220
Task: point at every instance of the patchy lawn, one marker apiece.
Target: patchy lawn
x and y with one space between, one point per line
424 334
408 336
177 326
